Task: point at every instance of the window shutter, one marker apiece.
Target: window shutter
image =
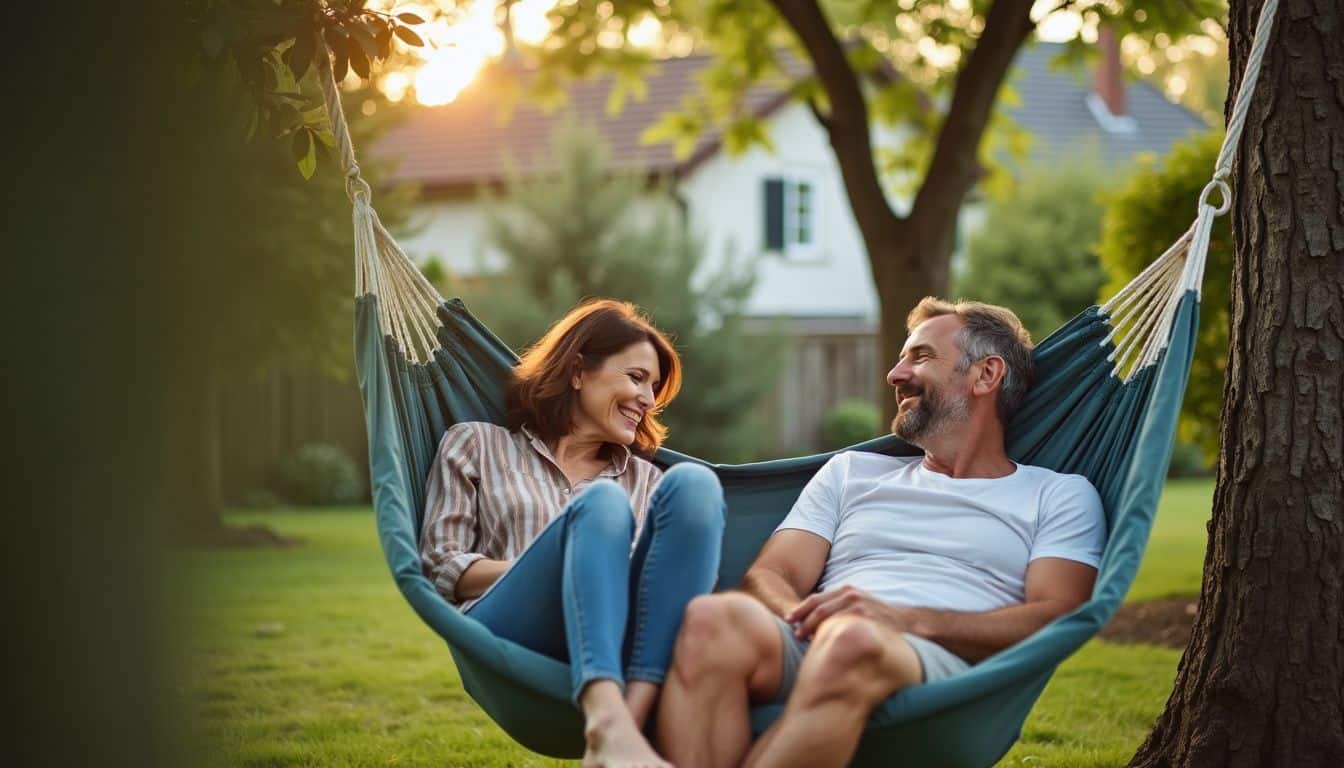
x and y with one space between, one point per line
774 215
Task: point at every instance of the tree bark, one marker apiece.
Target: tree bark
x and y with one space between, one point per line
909 256
1262 680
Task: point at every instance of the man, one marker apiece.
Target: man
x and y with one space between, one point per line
890 571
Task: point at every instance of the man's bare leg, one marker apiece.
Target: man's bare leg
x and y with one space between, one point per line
613 739
727 655
852 665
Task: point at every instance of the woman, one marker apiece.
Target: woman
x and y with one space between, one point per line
529 529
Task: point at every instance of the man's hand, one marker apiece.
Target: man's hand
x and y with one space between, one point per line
847 600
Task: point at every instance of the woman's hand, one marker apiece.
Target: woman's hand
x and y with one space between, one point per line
478 577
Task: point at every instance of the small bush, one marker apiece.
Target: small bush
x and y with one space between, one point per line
1187 460
849 422
259 498
319 474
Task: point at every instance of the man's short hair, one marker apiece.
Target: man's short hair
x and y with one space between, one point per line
987 330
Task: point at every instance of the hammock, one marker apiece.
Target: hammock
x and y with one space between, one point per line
1105 406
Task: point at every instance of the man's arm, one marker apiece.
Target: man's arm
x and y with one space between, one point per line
1054 586
789 567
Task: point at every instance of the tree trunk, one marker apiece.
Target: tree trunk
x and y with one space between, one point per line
1262 680
195 491
199 501
910 255
904 275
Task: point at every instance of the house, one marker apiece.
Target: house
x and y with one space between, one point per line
785 206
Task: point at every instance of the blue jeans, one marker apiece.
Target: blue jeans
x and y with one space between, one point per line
578 594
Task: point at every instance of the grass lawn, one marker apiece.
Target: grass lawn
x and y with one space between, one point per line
309 657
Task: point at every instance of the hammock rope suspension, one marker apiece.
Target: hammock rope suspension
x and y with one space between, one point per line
1105 405
407 301
1192 248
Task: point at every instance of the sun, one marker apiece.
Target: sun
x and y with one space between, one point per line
459 41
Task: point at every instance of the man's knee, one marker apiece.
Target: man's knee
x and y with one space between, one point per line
856 657
849 643
719 634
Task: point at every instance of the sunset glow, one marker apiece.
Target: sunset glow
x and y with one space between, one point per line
460 39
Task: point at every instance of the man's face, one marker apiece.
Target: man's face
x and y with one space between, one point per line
931 393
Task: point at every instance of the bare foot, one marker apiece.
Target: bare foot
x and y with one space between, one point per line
615 742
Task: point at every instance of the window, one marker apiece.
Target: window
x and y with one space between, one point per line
792 216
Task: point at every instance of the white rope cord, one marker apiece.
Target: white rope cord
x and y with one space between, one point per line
1129 320
1151 320
1134 298
407 302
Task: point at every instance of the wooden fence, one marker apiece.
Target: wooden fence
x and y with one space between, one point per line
826 361
264 420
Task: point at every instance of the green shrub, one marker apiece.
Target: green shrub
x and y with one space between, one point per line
259 498
319 474
1188 460
849 422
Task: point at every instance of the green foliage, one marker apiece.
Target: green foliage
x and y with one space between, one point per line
850 422
279 288
1035 252
1143 218
319 474
925 42
579 231
1187 460
268 46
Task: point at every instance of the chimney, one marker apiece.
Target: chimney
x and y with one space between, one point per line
1109 82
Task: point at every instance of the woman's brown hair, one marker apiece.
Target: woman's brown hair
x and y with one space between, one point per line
540 395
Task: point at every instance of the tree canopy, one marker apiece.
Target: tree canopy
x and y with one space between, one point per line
1036 249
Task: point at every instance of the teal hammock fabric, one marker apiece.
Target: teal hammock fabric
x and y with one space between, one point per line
1080 417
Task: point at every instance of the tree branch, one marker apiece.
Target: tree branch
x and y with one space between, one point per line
955 166
818 115
848 124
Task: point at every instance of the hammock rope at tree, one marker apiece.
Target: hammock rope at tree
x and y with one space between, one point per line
1110 384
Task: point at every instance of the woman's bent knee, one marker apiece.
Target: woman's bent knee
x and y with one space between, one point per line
691 478
605 507
690 497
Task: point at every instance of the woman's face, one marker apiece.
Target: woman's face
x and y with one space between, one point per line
614 397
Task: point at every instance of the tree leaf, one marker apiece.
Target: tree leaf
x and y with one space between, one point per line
359 62
410 18
300 55
340 65
212 41
253 121
409 37
366 41
305 154
383 34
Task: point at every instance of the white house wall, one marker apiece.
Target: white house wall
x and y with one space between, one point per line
726 203
451 232
726 207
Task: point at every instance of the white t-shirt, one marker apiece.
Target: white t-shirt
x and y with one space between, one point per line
912 536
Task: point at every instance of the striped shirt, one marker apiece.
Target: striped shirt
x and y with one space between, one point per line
491 491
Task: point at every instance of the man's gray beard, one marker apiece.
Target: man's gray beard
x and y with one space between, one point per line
931 416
